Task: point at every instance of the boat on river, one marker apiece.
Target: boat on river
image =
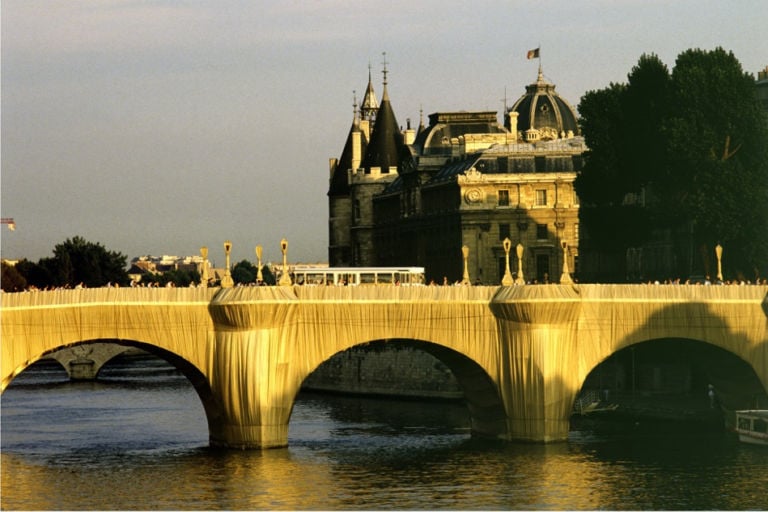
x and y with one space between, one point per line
752 426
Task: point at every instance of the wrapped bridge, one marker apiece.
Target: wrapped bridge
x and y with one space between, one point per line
520 353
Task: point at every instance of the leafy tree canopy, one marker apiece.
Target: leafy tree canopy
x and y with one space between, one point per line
244 272
694 141
77 261
12 280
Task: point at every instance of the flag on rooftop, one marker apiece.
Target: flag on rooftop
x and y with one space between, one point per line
533 54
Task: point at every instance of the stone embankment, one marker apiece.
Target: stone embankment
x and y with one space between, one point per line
387 370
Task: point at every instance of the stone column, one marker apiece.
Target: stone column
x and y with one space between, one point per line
538 377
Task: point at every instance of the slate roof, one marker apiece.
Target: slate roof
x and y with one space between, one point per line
386 139
339 183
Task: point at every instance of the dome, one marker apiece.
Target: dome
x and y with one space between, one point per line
543 114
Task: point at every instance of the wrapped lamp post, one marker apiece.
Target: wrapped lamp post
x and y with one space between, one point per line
285 278
507 279
226 281
520 279
204 267
719 254
465 254
259 275
566 277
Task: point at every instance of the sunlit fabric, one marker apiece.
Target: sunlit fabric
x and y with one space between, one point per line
520 353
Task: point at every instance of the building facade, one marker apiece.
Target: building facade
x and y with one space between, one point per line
420 196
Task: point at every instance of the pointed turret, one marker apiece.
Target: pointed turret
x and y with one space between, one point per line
386 139
421 122
370 105
351 155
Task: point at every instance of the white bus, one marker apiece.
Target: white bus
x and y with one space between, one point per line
354 276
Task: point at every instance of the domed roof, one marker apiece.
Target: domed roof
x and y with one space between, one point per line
542 109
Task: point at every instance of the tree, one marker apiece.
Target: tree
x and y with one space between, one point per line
244 272
12 280
692 146
78 261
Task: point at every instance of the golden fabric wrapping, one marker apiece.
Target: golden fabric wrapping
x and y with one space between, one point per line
520 353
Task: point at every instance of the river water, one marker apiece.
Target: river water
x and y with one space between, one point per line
137 439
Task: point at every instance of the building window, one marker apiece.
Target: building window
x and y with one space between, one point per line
541 232
576 232
504 231
541 197
503 197
357 209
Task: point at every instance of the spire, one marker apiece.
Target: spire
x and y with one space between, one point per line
386 139
384 94
355 117
370 105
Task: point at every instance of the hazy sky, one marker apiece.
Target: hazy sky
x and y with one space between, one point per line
158 126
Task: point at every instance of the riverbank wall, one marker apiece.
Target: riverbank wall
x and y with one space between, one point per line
386 371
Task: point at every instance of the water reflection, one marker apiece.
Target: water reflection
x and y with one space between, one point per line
139 441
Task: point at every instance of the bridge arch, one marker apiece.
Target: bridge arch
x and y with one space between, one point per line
198 380
657 375
480 393
725 325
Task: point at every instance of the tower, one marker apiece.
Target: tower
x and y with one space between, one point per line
367 165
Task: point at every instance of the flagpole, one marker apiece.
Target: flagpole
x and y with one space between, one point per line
539 56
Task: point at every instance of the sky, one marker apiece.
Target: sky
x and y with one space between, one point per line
156 127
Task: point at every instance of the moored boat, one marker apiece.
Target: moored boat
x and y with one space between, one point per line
752 426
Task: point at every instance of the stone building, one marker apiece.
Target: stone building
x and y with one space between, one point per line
417 196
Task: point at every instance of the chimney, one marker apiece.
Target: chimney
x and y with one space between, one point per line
513 124
356 149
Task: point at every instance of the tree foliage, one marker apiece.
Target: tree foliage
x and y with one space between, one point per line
246 272
12 280
76 261
694 142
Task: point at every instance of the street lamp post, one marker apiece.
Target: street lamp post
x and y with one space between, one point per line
259 275
719 254
204 277
465 254
507 279
285 279
520 279
226 281
566 277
